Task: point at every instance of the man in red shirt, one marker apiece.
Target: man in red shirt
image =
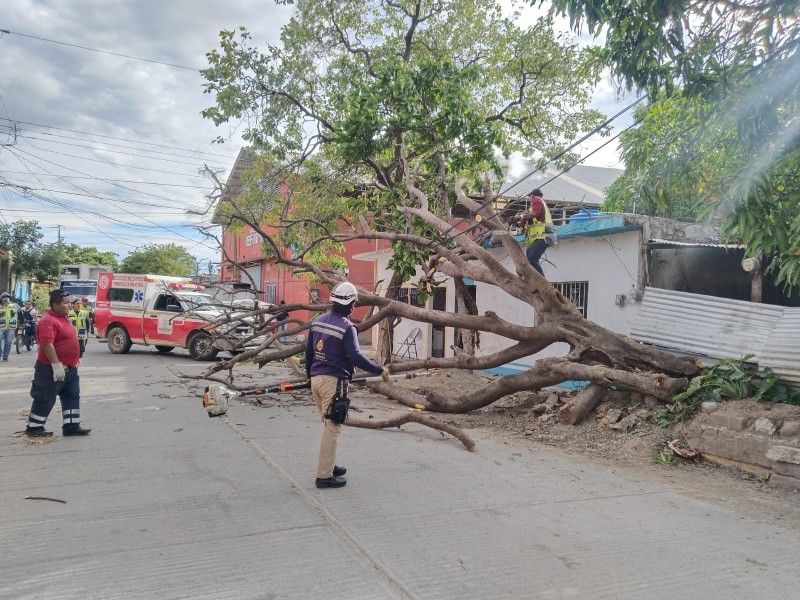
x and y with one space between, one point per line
55 373
536 222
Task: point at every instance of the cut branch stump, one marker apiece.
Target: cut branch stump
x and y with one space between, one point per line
581 405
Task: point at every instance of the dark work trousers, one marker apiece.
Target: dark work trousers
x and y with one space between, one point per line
534 253
44 391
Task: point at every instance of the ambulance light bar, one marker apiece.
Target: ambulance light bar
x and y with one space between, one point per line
186 287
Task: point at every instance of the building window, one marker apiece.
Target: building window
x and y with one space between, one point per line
270 291
410 296
577 292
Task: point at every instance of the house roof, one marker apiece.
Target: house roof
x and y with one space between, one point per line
580 185
233 185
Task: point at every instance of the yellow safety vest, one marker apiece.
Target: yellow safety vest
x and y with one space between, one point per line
536 229
79 322
8 317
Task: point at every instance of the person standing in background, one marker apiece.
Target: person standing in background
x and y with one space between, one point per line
77 316
9 317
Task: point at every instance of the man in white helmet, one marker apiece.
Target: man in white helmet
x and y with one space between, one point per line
332 354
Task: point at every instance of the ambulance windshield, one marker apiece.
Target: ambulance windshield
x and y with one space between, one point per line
198 302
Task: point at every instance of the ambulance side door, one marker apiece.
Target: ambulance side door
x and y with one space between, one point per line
160 320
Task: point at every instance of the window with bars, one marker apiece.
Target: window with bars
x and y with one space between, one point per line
270 291
575 291
410 296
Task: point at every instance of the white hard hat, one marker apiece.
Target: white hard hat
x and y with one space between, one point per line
344 293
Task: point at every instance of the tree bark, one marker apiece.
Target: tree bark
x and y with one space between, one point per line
581 405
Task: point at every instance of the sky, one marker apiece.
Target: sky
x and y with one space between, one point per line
108 150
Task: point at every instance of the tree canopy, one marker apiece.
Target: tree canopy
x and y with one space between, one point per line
721 135
23 240
364 96
160 259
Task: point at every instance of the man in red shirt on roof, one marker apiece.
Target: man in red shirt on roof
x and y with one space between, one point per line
540 232
55 373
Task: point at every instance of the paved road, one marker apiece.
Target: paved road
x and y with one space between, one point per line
163 502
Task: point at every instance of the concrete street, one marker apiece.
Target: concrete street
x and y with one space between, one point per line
163 502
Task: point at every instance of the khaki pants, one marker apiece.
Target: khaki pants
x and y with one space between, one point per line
323 389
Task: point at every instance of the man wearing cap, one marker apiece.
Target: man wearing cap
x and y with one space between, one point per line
77 316
87 311
332 353
540 232
55 373
9 316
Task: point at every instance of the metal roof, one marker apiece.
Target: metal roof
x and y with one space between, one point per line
722 328
581 184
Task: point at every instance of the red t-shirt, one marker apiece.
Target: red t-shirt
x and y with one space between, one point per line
59 331
537 208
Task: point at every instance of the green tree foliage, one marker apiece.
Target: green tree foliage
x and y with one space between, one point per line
721 136
160 259
23 240
363 96
53 256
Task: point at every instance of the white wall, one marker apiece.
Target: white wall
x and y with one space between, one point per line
610 263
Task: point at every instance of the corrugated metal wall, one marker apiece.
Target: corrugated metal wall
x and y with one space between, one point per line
721 328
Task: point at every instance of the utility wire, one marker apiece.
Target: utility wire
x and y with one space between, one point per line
136 181
156 196
121 139
180 162
41 39
133 214
26 131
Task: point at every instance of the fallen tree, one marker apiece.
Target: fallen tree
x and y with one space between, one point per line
364 124
596 354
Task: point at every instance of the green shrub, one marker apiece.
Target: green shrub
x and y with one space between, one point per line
729 379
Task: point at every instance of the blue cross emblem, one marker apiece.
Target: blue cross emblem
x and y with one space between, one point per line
138 296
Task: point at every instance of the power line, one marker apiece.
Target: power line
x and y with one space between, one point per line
111 137
125 210
67 207
97 178
107 162
78 139
136 181
180 162
41 39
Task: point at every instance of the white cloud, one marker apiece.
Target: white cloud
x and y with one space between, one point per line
56 91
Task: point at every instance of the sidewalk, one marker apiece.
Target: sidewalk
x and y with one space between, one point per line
163 502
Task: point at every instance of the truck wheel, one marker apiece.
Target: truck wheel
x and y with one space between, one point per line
200 346
165 349
119 342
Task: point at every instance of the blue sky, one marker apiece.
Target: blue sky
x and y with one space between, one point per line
111 148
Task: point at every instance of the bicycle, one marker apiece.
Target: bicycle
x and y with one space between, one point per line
25 336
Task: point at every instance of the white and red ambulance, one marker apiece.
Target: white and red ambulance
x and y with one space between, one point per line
165 312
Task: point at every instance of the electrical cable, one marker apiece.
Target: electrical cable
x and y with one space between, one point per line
180 162
127 211
41 39
111 137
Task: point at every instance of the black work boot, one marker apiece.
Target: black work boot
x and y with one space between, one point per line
37 432
74 430
331 482
339 471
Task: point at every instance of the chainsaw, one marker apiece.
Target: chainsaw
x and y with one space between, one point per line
217 397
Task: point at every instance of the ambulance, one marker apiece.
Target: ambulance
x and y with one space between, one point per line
159 311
